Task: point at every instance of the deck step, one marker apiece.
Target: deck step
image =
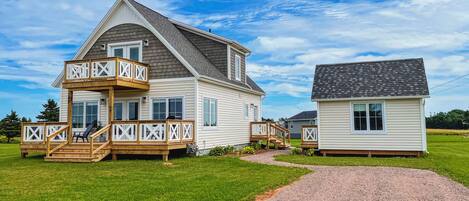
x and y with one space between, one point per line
79 153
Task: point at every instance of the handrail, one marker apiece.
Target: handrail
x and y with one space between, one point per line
52 136
94 135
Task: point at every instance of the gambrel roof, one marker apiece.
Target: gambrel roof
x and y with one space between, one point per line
390 78
184 50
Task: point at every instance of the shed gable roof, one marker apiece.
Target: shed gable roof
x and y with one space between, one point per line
390 78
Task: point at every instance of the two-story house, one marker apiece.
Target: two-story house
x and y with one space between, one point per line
135 71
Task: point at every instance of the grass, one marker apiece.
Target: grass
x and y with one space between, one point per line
448 156
434 131
199 178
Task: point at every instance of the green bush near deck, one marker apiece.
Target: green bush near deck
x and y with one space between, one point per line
448 156
188 178
217 151
248 150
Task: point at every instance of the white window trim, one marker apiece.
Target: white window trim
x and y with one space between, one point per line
368 131
126 46
167 105
84 112
238 68
203 112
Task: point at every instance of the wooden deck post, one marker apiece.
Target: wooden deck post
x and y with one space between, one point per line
69 116
110 110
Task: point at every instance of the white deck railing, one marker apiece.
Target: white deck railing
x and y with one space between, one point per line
34 132
309 133
111 67
170 131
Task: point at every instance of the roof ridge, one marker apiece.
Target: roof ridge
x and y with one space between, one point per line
375 61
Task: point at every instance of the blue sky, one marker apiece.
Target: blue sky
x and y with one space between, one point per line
287 39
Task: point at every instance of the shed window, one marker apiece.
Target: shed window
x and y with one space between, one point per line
368 117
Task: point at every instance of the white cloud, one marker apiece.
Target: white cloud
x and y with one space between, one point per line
286 88
280 44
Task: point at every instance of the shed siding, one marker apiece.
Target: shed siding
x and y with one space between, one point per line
170 88
402 121
233 128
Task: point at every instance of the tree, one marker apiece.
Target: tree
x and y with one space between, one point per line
454 119
10 126
50 113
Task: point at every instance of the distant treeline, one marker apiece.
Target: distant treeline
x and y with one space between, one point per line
454 119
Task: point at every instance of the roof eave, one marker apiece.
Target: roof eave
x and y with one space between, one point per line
369 98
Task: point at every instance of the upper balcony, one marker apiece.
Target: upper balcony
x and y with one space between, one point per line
97 74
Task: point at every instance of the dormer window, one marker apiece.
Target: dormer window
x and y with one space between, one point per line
237 67
128 50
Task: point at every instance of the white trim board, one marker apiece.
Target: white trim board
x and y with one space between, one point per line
369 98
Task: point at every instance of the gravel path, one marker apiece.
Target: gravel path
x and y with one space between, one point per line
363 183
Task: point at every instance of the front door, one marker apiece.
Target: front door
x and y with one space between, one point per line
127 110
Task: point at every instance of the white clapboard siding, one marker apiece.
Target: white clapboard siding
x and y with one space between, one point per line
158 88
233 128
402 120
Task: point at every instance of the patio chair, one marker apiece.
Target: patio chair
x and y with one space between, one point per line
84 135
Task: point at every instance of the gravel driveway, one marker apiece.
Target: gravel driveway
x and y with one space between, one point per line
364 183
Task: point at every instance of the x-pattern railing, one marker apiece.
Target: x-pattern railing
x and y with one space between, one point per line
309 133
146 131
109 68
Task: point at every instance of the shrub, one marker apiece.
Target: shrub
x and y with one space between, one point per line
309 152
229 149
248 150
217 151
295 151
256 146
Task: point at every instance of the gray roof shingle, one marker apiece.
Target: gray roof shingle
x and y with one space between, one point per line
183 46
304 115
404 77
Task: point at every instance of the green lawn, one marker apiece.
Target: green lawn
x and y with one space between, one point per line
199 178
449 156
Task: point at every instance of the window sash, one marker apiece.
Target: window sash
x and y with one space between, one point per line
246 111
368 117
210 112
166 107
84 113
118 111
237 67
133 110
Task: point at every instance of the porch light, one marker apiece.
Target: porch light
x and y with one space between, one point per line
144 99
103 46
145 43
103 101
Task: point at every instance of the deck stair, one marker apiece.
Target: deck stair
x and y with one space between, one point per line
270 133
78 152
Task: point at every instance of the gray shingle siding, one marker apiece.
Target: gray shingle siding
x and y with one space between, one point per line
215 52
404 77
232 65
163 64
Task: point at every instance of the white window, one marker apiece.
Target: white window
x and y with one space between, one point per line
368 117
256 113
84 113
210 112
164 108
238 67
246 111
128 50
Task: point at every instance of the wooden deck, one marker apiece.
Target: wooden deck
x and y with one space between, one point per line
120 137
270 133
